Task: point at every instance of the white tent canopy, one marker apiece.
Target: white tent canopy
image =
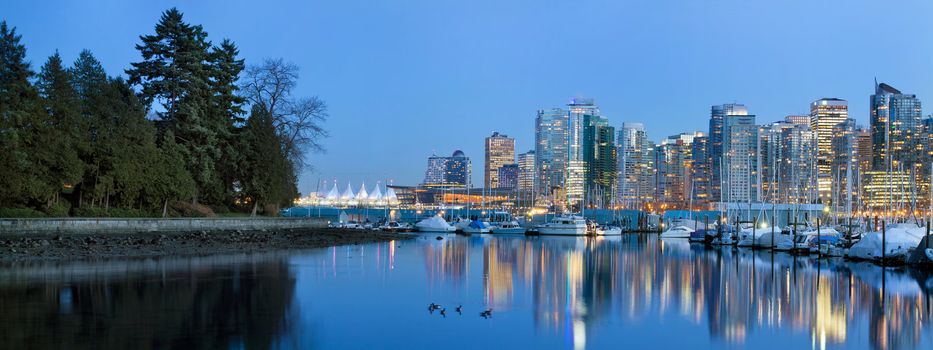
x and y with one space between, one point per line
375 194
362 195
348 194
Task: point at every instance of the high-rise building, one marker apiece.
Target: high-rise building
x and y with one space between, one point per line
582 111
453 171
716 121
635 184
797 175
844 169
675 162
526 171
740 155
508 176
599 156
500 150
825 115
896 129
702 193
863 146
459 170
551 154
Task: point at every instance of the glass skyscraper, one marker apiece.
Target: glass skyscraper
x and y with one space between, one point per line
716 121
896 129
825 115
551 154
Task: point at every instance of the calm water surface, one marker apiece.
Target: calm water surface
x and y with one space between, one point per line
559 293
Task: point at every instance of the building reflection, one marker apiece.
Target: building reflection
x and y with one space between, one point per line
574 283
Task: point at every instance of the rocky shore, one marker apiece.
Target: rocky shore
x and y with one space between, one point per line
103 246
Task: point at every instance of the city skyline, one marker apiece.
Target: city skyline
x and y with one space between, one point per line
357 67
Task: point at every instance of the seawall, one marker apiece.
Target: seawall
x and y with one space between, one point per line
79 226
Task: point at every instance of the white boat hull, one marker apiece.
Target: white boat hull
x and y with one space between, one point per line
515 230
562 231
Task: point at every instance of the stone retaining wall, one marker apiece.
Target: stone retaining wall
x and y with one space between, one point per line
135 225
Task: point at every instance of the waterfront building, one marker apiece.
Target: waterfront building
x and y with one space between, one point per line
885 193
771 157
500 150
508 176
551 154
844 165
797 119
448 172
600 159
526 171
582 111
716 147
634 158
896 129
740 155
674 167
825 115
863 149
700 172
798 177
459 170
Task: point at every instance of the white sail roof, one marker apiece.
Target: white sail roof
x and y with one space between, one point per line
362 195
376 193
348 194
334 192
390 194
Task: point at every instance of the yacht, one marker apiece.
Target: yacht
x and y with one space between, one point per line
508 227
608 230
434 224
477 226
568 225
677 232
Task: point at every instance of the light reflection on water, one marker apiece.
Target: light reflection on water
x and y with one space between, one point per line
545 292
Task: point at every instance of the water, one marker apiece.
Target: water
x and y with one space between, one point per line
548 292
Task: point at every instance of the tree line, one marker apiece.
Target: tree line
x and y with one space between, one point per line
172 138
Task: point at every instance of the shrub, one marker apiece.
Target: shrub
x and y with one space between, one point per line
58 210
90 212
20 213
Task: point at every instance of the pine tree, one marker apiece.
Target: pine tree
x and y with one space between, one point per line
227 111
265 172
62 140
21 119
175 71
90 84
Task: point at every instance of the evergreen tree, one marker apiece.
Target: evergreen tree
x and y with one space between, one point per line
227 111
90 84
21 119
266 174
61 140
175 71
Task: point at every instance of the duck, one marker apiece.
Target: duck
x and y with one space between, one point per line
459 309
444 312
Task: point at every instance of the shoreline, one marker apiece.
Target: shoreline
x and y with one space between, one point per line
17 248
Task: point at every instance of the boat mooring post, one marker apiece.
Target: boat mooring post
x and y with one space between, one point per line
884 247
819 254
754 227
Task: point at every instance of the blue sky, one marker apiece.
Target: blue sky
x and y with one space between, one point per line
405 79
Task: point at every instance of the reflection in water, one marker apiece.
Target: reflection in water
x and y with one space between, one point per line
546 292
178 304
576 282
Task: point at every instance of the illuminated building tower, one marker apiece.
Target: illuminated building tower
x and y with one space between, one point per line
700 173
740 155
508 176
551 136
526 171
825 114
896 127
448 172
582 111
716 120
674 165
633 158
599 154
500 150
863 146
797 173
845 154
